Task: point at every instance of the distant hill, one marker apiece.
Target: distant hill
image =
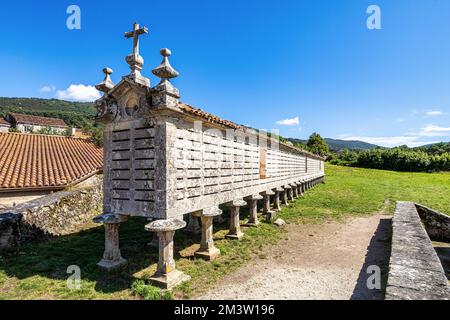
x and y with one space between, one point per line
76 114
436 148
337 145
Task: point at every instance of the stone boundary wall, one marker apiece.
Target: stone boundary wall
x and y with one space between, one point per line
415 271
437 224
57 214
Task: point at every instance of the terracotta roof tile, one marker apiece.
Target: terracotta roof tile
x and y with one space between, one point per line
207 116
40 121
41 162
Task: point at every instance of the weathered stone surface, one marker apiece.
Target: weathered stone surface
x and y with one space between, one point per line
235 232
415 272
437 224
57 214
279 223
208 250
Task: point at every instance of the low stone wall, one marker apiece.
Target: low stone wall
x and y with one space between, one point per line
415 271
437 224
57 214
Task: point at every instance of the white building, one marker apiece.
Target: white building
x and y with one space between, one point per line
4 125
33 124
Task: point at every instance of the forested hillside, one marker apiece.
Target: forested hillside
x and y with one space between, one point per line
338 145
75 114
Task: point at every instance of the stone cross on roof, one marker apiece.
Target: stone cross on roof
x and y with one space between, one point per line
135 35
135 60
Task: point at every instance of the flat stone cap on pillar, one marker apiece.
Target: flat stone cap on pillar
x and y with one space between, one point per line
208 212
255 197
165 225
268 193
293 185
286 187
279 189
236 203
109 219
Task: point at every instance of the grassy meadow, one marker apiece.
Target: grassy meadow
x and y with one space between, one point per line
38 271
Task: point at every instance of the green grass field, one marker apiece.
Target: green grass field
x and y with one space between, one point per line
39 271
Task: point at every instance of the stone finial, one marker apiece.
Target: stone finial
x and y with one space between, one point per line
165 71
107 83
135 60
165 94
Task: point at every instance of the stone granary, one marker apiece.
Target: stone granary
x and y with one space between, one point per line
165 159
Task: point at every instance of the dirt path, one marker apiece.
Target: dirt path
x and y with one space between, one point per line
327 261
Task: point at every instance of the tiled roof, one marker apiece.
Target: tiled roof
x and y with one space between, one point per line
215 119
45 162
4 123
40 121
207 116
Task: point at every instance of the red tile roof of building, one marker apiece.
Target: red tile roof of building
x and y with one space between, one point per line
46 162
39 121
4 123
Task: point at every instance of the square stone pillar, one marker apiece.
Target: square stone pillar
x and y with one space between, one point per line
269 214
290 193
235 232
193 226
277 198
300 188
112 259
294 190
284 197
166 276
253 210
208 250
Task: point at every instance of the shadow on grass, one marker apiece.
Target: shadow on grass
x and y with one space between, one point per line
51 258
378 254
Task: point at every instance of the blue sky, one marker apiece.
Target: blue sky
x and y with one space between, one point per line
253 62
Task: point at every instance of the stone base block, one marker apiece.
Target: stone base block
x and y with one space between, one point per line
112 265
252 224
271 216
170 280
237 236
208 255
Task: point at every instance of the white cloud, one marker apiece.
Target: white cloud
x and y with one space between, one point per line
78 92
289 122
434 113
48 89
434 131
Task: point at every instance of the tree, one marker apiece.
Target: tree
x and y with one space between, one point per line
316 144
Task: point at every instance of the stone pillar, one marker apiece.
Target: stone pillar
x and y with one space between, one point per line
166 276
300 188
112 259
193 226
277 200
208 250
294 190
253 210
269 214
289 193
235 232
285 197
